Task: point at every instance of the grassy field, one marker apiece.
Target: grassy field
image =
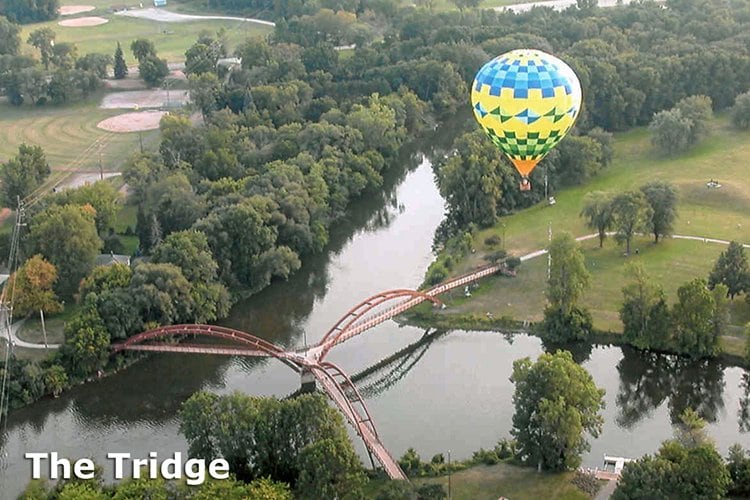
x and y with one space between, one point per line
66 132
483 482
715 213
171 39
55 323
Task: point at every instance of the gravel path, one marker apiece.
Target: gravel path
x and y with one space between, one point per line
166 16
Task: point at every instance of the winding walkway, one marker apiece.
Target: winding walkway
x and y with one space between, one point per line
17 342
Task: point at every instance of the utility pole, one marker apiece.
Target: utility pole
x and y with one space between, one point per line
546 191
44 330
101 170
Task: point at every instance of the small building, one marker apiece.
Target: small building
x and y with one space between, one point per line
160 3
111 258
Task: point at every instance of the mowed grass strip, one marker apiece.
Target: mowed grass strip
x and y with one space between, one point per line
65 133
722 213
171 39
483 482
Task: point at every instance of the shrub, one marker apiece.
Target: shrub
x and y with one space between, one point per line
586 482
493 240
513 263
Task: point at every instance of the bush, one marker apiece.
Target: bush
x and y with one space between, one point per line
559 327
741 111
431 492
486 457
495 257
513 263
436 273
493 240
505 449
586 482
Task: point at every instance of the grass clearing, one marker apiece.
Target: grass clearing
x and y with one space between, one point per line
715 213
490 482
66 132
171 39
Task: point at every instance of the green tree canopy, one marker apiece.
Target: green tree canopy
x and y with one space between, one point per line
631 214
694 315
10 39
642 310
22 174
556 402
731 269
597 210
66 236
120 68
32 285
662 197
86 346
741 111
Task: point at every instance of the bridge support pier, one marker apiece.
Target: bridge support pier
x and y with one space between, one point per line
307 380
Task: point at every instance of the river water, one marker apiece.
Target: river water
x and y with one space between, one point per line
451 392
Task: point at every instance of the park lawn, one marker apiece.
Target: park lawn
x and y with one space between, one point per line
31 331
171 39
490 482
67 134
671 263
126 217
713 213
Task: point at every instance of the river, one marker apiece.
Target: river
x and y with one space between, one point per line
450 393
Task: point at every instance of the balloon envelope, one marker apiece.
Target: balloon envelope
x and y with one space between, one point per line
526 101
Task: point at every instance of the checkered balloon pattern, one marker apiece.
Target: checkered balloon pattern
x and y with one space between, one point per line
526 101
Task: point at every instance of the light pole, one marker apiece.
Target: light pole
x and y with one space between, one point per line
503 236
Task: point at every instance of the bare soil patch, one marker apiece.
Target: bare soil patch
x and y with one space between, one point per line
83 21
133 122
70 10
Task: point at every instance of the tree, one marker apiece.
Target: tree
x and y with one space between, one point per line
55 379
675 471
569 277
631 214
64 55
697 109
205 91
86 346
694 316
563 319
10 39
662 197
153 70
66 236
670 131
597 210
43 39
740 111
33 289
120 68
465 4
329 468
641 310
21 175
95 63
142 48
162 294
22 11
732 270
265 437
102 196
556 402
738 464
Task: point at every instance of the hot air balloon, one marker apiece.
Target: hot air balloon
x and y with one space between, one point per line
526 101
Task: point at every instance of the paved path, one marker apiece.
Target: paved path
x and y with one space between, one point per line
606 491
20 343
555 4
165 16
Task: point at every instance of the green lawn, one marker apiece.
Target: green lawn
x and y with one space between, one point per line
483 482
66 134
715 213
171 39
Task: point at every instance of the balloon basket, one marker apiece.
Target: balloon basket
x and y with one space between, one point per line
524 185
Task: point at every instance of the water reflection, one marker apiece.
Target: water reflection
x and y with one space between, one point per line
648 379
383 375
744 412
581 351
